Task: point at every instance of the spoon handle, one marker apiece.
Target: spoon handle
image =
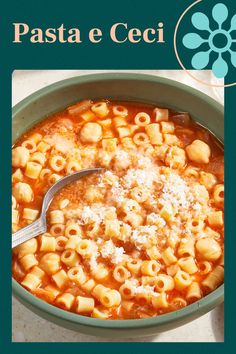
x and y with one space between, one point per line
36 228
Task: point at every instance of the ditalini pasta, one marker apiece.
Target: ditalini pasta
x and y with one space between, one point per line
144 237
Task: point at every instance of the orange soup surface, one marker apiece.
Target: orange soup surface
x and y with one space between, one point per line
142 238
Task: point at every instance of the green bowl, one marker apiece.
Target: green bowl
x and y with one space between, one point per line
123 87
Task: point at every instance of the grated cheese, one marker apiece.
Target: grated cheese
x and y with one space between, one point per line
146 289
118 194
109 250
64 203
197 206
122 155
175 192
144 162
142 234
140 289
144 177
109 178
94 214
60 143
156 219
89 215
92 262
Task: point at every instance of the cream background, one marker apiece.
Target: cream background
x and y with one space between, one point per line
28 327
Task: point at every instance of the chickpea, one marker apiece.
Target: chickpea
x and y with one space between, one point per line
198 152
50 263
20 156
209 249
91 133
22 192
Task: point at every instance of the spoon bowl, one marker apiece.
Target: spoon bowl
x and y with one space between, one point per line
40 225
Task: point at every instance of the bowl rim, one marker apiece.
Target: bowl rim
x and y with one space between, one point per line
204 305
207 303
87 78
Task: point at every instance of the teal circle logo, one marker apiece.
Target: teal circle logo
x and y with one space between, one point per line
218 40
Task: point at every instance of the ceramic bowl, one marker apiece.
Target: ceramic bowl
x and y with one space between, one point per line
123 87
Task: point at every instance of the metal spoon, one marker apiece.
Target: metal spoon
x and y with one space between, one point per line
40 225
